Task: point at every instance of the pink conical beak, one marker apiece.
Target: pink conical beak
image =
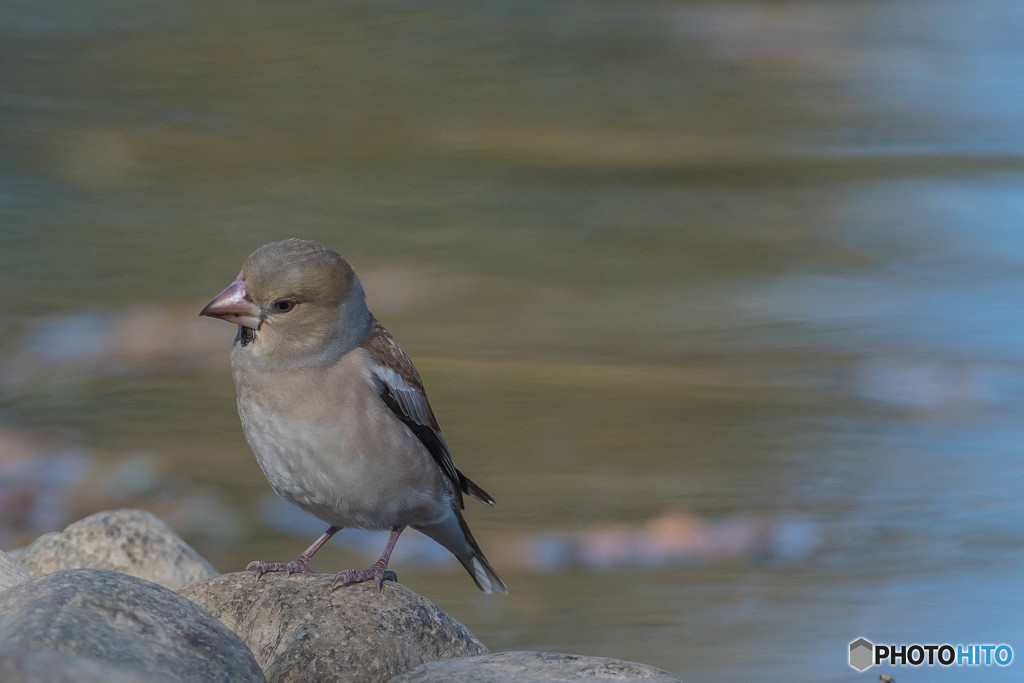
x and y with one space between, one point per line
234 306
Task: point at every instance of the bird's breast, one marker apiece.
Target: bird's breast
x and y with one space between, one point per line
328 444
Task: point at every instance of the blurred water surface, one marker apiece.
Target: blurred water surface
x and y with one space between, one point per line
721 301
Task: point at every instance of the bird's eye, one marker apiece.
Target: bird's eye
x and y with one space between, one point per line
284 305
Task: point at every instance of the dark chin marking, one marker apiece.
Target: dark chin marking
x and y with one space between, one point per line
244 336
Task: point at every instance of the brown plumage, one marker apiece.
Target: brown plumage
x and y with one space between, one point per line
335 411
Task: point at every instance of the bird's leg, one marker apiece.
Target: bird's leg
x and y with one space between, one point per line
378 570
300 565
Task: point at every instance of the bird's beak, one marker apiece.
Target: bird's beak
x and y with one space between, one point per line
234 306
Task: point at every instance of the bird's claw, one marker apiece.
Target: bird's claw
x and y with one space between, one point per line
299 565
379 575
385 576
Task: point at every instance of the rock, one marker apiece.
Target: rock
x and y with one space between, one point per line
11 573
534 666
23 663
299 630
132 625
133 542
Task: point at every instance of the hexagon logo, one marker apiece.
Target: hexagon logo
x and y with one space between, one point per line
862 654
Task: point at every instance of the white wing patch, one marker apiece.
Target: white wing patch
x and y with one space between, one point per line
412 401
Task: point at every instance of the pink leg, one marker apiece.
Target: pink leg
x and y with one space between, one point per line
377 571
300 565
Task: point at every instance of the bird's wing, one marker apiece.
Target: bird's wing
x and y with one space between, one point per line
401 389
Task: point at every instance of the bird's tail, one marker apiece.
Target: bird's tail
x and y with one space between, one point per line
454 534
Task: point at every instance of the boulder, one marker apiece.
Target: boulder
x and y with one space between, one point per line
11 573
534 667
299 630
133 542
132 626
23 663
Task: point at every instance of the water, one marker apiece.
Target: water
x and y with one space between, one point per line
721 301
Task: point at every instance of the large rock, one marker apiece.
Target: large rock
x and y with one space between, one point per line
11 573
134 626
133 542
22 663
299 630
534 667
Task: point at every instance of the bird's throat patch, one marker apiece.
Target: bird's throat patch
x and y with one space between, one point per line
245 335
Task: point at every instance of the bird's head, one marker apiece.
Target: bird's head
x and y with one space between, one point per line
295 300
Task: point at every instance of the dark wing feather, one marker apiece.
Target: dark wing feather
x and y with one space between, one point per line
401 389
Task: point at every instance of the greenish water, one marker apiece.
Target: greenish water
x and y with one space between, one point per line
738 278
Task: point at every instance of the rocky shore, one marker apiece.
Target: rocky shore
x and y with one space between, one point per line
118 596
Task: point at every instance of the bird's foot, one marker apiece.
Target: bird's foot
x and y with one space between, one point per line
378 571
300 565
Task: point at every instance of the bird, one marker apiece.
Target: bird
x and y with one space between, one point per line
336 413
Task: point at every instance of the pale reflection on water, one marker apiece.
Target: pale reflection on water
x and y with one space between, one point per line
722 302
